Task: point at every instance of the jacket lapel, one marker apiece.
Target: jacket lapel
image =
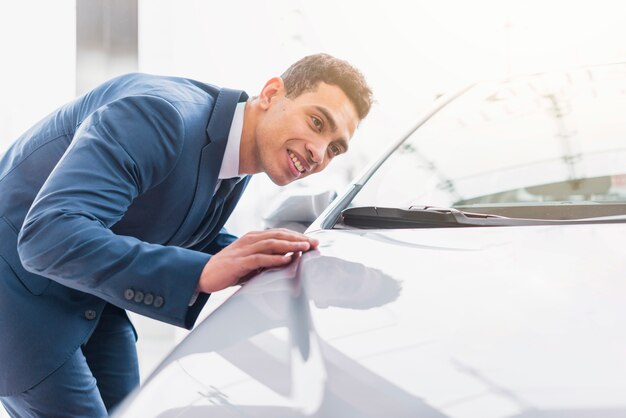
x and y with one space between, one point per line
210 162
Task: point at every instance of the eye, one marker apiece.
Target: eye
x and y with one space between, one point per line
317 122
334 149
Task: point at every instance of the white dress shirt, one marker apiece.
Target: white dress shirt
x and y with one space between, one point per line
230 162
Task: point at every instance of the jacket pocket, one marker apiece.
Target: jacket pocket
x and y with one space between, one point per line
8 251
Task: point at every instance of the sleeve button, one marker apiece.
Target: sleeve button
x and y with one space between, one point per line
129 294
138 296
148 299
158 302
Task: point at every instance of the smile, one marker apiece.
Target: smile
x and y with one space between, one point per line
296 162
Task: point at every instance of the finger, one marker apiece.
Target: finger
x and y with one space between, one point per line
295 256
288 235
276 234
276 246
258 261
282 233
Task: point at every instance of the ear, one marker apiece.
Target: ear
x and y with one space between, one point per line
273 89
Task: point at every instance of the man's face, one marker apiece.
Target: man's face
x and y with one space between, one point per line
299 136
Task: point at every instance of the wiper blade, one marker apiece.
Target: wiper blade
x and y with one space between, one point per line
435 217
414 217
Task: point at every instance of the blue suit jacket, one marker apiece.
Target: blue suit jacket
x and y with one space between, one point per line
108 199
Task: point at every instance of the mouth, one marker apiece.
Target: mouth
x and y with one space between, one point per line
297 166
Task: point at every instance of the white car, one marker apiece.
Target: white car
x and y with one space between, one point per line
477 270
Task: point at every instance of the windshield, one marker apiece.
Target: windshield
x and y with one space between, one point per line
543 138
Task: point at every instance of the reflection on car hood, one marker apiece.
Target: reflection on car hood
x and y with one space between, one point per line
480 322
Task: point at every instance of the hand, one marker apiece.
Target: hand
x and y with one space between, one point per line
251 252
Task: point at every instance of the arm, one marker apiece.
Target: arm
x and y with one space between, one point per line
119 152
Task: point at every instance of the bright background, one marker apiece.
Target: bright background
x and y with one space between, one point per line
410 52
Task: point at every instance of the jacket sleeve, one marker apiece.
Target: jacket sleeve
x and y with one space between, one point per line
120 151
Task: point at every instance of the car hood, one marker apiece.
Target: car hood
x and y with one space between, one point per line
460 322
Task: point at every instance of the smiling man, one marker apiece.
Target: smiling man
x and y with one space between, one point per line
117 201
308 130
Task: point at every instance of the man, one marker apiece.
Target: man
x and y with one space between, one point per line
116 201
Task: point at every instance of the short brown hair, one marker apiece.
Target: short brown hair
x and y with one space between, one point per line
305 74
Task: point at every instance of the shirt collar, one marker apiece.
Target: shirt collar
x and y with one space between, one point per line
230 162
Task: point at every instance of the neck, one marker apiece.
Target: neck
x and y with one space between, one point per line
247 149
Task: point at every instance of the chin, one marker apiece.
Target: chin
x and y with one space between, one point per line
279 180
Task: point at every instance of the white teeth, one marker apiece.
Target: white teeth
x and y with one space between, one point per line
296 162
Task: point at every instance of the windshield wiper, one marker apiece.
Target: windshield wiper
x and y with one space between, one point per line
435 217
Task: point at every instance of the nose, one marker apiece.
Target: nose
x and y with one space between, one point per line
315 153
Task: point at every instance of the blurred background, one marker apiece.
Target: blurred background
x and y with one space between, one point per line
410 52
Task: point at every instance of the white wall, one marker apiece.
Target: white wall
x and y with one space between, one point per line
37 55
